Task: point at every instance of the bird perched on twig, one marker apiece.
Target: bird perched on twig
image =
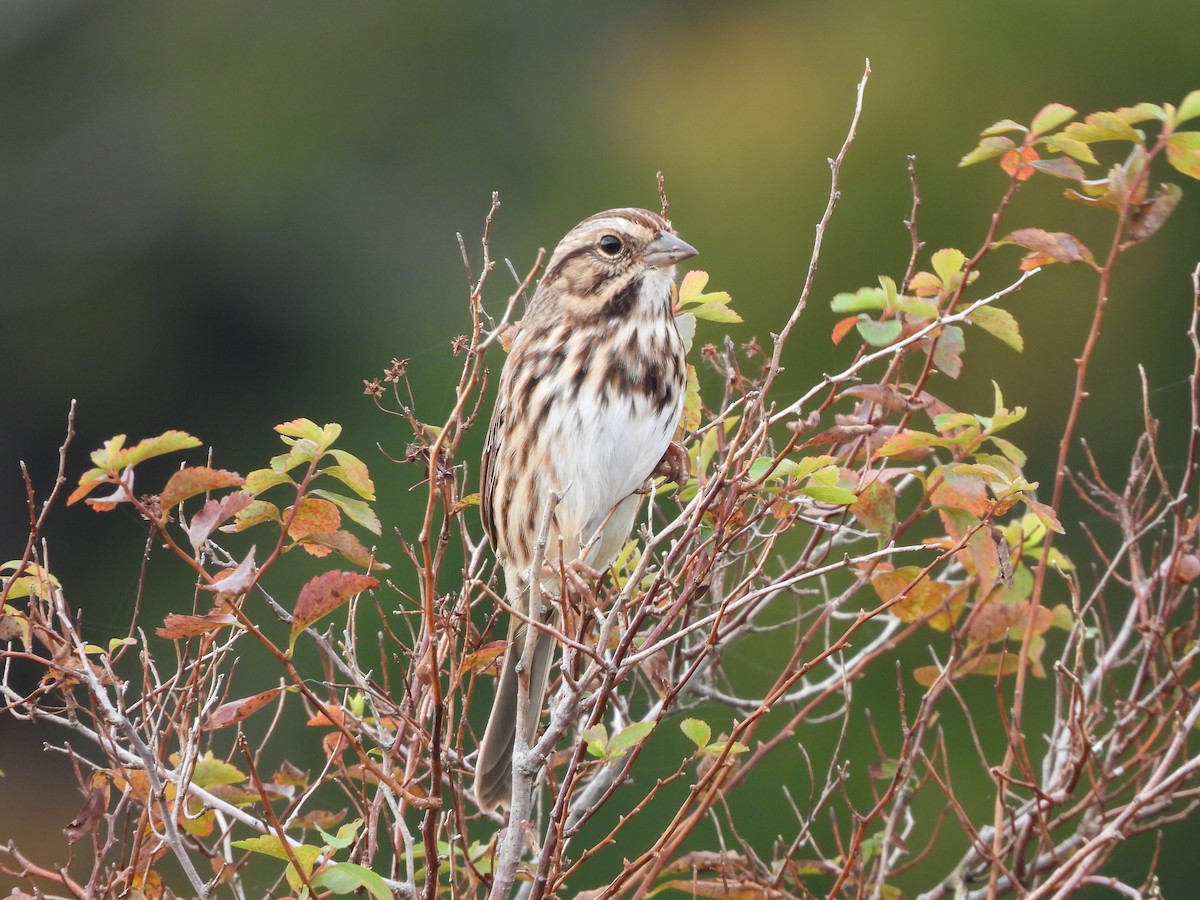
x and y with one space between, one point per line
588 402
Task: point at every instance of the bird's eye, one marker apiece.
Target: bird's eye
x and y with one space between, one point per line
610 245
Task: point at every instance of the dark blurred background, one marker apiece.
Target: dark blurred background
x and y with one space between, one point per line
220 216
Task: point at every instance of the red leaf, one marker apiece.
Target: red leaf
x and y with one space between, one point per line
325 593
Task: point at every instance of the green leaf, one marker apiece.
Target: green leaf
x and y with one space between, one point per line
1004 125
1183 152
1050 117
1011 451
826 494
261 479
596 741
947 263
999 323
345 835
352 472
879 334
629 736
716 748
914 306
346 878
715 311
1045 514
1061 143
1189 108
114 456
302 451
1142 112
987 148
309 430
907 441
692 286
697 731
255 513
1102 126
866 298
357 510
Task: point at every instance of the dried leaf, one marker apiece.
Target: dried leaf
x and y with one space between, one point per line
1152 214
1048 246
236 581
95 807
215 513
178 627
347 545
235 710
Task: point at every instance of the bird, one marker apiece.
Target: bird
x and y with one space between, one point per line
588 402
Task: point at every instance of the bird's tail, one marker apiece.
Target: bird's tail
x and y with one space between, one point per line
493 769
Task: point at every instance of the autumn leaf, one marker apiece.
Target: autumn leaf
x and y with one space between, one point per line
313 516
1048 247
235 710
1016 163
325 593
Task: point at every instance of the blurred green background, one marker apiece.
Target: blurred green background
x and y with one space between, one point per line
220 216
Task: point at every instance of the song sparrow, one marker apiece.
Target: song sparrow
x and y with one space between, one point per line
589 399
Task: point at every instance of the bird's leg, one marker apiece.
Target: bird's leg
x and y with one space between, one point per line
674 464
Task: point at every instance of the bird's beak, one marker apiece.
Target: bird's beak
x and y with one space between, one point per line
667 249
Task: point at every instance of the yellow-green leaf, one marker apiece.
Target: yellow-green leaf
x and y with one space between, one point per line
697 731
1189 108
1183 152
999 323
1050 117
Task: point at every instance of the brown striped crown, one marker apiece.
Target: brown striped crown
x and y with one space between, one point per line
598 267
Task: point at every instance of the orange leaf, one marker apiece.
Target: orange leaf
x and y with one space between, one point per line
236 710
1016 163
196 480
843 327
314 516
176 627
